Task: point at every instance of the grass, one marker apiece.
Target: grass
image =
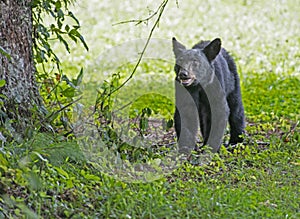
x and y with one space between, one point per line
50 178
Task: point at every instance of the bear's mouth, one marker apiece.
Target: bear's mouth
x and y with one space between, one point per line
186 81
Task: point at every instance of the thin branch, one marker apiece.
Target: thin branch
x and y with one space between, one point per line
160 9
139 21
123 107
63 108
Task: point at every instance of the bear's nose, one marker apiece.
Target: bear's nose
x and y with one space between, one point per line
183 73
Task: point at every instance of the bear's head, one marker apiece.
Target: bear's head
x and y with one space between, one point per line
194 66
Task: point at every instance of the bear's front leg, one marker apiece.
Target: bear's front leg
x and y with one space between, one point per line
186 119
213 111
186 126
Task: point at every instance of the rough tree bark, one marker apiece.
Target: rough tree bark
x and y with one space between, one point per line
18 71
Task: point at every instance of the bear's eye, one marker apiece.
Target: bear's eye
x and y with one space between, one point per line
195 63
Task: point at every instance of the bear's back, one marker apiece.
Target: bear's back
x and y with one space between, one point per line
224 66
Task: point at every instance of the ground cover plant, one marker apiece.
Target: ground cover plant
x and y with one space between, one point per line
50 176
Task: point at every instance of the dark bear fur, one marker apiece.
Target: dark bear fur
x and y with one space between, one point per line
209 75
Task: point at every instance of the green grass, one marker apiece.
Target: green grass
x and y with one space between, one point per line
50 178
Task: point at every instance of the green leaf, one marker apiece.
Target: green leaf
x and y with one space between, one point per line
147 111
72 35
169 124
57 5
91 177
34 3
67 28
59 23
3 52
2 82
74 18
62 172
143 123
3 161
66 79
60 14
40 56
78 80
83 42
61 39
69 92
75 34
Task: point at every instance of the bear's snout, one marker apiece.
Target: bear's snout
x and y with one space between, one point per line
183 74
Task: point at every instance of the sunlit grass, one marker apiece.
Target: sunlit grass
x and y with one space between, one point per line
264 36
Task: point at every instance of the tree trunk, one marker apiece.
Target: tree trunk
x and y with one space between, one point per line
18 68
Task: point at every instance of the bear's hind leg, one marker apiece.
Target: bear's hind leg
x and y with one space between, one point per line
236 119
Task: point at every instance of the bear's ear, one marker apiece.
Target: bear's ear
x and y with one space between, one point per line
212 49
178 48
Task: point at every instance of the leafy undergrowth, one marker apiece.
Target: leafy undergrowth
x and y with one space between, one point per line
50 178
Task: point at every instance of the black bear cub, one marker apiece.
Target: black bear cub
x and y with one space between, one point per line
207 93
